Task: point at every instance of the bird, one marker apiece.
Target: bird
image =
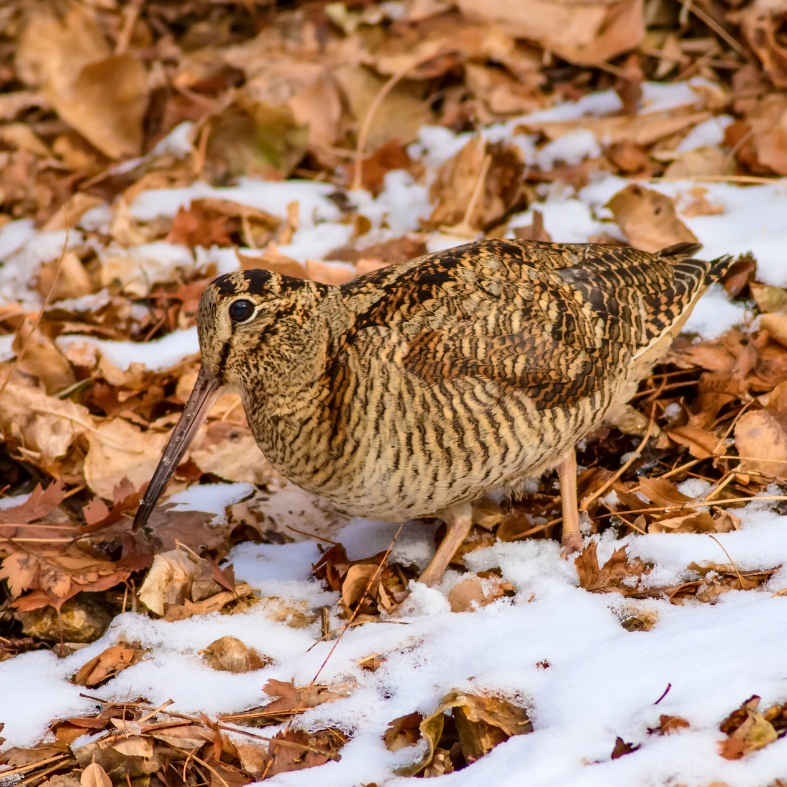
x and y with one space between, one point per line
416 389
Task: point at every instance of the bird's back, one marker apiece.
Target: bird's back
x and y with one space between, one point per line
475 367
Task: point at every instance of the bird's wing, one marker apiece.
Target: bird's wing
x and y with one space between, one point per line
554 320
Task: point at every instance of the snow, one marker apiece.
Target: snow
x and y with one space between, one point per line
602 681
210 498
26 254
707 134
569 149
697 649
157 355
6 349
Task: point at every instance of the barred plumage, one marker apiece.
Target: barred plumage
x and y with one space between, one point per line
416 389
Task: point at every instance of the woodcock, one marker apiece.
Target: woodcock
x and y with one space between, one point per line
414 390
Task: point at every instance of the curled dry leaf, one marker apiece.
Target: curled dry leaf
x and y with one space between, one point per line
618 574
168 580
104 97
748 730
106 665
119 450
586 33
648 218
481 723
761 440
42 425
229 654
475 592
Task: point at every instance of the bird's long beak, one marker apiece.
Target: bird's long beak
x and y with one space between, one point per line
203 397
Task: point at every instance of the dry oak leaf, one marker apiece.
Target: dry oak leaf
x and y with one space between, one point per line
482 723
615 575
761 440
701 443
748 731
648 218
119 450
42 425
669 724
103 97
586 33
229 654
168 580
475 592
295 750
662 492
42 357
641 130
288 697
776 325
106 665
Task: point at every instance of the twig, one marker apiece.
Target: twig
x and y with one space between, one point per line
635 455
344 630
312 535
704 16
363 133
732 562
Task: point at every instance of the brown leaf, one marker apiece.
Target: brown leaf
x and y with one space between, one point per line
701 443
40 503
95 776
776 325
669 724
662 492
747 730
586 33
481 722
496 167
355 583
472 593
761 440
695 522
295 750
105 666
648 218
611 576
42 359
104 97
769 299
289 698
403 731
19 569
622 748
229 654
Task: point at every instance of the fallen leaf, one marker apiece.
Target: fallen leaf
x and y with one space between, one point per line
105 666
120 450
40 503
618 574
694 522
648 218
769 299
761 440
669 724
701 443
662 492
229 654
747 730
42 359
230 452
481 722
295 750
622 748
473 593
103 97
95 776
403 731
586 33
776 325
168 581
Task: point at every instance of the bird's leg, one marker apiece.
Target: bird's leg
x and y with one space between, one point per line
458 519
567 475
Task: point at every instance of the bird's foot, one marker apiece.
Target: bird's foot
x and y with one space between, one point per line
571 544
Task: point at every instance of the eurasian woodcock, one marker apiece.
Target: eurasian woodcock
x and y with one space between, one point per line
418 388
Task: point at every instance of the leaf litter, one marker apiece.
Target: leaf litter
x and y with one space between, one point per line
236 141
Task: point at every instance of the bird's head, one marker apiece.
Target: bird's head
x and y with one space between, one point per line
259 332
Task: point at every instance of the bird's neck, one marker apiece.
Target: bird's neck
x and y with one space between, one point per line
289 410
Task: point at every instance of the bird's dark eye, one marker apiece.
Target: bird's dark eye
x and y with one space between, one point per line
240 311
